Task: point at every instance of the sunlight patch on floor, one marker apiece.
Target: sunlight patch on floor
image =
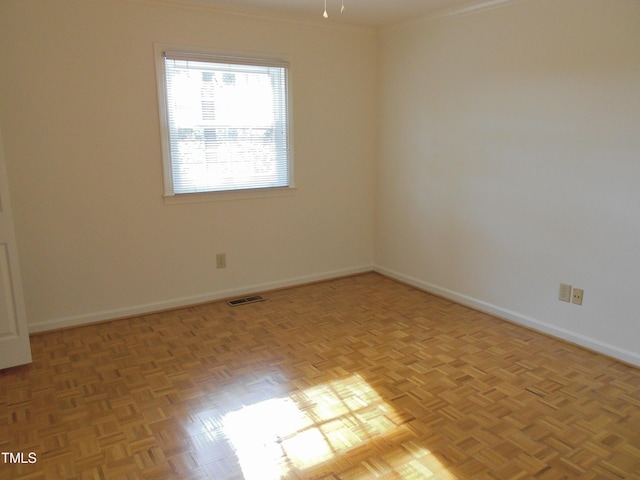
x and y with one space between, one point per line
306 429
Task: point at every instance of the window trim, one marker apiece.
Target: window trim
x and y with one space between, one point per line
170 196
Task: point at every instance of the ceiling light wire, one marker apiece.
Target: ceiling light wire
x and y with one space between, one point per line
325 14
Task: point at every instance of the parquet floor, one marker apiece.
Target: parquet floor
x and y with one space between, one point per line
356 378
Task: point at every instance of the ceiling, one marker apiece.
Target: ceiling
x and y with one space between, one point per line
362 12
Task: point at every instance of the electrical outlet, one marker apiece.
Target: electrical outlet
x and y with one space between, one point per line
578 293
221 260
565 293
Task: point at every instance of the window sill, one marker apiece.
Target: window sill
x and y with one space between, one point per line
228 195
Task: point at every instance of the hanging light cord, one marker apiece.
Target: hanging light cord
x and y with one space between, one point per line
325 14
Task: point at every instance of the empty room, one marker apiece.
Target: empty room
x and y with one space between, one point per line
330 240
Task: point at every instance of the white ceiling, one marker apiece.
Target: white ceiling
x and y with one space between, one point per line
363 12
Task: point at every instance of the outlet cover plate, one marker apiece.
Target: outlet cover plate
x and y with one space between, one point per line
578 294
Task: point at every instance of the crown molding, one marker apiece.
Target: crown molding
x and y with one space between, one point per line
202 5
475 7
470 8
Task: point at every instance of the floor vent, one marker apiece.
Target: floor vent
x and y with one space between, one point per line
243 301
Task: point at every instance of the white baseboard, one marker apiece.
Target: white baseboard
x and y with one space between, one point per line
517 318
576 338
133 310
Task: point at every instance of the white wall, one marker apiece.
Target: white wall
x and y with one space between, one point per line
78 108
510 162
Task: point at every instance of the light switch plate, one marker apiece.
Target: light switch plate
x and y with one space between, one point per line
565 293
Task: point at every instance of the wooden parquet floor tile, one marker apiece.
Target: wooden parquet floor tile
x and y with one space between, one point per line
355 378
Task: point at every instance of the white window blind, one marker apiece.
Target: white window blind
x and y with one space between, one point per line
228 126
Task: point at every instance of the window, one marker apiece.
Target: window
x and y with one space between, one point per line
225 123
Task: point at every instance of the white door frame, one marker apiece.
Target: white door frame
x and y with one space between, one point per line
14 335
